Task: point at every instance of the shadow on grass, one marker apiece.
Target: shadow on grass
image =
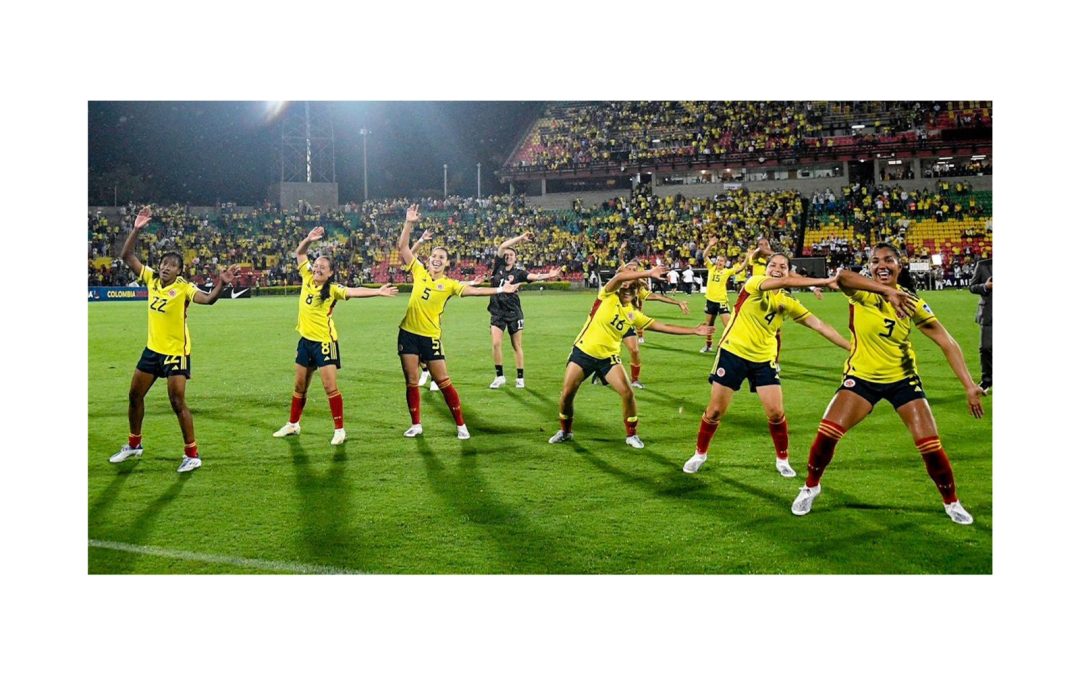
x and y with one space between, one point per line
326 507
524 549
139 528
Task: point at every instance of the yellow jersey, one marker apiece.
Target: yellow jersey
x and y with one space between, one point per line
601 336
881 348
315 321
166 311
753 332
716 289
427 301
758 265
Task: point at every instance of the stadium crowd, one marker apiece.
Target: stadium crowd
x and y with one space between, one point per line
588 134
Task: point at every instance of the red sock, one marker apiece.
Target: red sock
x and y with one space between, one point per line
191 449
704 434
565 423
821 451
452 401
337 409
778 431
134 440
938 466
631 425
635 372
412 398
297 408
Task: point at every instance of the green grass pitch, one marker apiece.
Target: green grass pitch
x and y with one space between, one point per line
506 501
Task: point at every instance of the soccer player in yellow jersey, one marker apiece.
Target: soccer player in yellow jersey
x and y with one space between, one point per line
716 297
749 350
633 337
168 344
419 333
881 365
318 345
596 349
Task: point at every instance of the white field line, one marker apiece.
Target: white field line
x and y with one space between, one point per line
252 563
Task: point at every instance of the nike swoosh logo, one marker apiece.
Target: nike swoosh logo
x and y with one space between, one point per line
236 294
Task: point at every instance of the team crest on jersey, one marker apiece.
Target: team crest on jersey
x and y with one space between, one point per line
629 316
172 293
849 383
438 287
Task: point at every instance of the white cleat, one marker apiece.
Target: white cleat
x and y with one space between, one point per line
705 350
497 382
637 385
434 386
463 433
189 464
339 437
805 500
519 383
958 514
561 437
126 453
414 430
635 442
695 462
424 375
784 467
289 429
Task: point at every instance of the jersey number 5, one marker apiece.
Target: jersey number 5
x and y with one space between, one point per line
426 295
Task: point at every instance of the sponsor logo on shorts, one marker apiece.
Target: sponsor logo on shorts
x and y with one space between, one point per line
849 383
720 372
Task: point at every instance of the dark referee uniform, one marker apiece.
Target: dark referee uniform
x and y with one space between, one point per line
505 308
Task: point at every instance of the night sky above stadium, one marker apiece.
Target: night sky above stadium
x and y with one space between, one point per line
204 152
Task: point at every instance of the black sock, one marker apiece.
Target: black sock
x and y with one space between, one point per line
521 373
498 371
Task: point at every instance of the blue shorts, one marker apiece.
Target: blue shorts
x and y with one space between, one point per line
311 354
164 365
730 371
897 393
428 349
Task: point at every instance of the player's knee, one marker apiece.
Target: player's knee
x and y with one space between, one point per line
135 396
775 416
176 400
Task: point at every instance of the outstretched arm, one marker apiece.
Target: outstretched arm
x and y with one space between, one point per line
488 290
511 242
553 274
657 272
792 281
386 290
301 250
412 216
955 356
830 334
903 303
670 301
128 252
671 329
226 277
712 242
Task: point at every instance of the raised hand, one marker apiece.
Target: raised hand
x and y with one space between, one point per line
817 292
510 288
527 236
903 303
412 214
427 235
658 272
316 234
684 307
388 290
143 218
555 272
713 241
704 330
229 273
